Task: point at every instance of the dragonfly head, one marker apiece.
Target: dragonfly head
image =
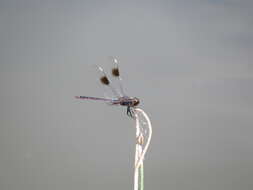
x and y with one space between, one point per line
136 101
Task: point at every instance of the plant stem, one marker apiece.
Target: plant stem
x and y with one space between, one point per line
141 175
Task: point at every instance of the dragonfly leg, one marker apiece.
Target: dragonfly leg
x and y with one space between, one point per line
130 112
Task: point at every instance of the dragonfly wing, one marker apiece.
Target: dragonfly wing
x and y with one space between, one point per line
116 77
109 90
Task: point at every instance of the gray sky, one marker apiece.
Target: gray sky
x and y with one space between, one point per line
190 63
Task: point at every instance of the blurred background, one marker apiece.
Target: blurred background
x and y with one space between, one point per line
189 61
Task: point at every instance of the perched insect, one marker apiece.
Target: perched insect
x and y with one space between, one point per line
119 96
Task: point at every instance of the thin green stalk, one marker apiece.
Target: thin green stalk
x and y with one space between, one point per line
141 175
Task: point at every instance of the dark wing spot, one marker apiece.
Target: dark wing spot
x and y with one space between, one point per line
115 72
104 80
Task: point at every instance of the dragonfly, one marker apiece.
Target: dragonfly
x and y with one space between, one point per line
119 97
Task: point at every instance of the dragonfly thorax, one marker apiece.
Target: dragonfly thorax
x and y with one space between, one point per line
132 102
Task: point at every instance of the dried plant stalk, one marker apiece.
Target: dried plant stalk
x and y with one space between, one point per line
143 138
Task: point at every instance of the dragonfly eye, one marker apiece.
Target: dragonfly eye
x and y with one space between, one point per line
136 101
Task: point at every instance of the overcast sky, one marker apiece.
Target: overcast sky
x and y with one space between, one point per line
189 62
